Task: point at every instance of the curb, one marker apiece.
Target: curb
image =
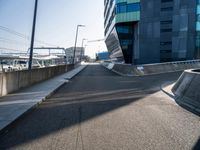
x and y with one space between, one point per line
180 101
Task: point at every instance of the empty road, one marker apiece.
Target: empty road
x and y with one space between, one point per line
99 110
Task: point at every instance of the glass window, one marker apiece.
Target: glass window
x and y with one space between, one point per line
124 7
121 8
166 22
198 18
126 42
166 30
198 42
198 9
198 26
167 9
164 1
165 43
133 7
123 29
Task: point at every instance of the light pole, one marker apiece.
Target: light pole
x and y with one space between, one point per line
82 48
73 60
33 36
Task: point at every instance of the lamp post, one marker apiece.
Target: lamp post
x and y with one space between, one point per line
82 48
33 36
73 60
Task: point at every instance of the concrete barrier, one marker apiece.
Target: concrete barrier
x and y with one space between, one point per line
187 89
127 70
122 69
149 69
13 81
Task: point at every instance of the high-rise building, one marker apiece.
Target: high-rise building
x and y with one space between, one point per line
152 31
198 30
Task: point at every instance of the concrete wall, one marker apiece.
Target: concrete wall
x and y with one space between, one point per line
127 69
137 70
187 89
13 81
168 67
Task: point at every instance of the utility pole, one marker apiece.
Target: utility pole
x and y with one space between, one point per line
33 36
82 48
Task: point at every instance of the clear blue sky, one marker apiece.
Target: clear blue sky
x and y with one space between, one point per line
56 22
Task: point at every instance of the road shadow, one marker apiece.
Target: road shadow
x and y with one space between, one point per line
53 116
197 146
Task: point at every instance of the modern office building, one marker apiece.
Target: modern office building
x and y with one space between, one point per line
198 30
80 52
152 31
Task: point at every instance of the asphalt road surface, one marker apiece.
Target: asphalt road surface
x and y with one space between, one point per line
99 110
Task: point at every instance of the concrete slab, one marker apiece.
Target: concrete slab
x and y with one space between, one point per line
12 106
167 88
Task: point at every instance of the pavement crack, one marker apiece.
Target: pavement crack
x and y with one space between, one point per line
56 138
79 131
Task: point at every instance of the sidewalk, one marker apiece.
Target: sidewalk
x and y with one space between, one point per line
12 106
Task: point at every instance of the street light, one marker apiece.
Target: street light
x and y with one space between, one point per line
82 48
73 60
33 36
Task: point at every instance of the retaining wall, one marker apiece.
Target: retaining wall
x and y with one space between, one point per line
149 69
13 81
187 88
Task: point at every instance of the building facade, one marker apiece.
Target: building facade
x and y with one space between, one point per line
198 30
152 31
69 52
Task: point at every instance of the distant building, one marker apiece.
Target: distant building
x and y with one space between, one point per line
102 56
80 52
152 31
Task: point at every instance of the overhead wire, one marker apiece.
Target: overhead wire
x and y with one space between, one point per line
2 40
10 49
13 32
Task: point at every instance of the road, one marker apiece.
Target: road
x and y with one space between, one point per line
99 110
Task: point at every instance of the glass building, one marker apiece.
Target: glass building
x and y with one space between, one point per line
120 18
152 31
198 30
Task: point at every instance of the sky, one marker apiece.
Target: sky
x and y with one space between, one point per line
56 23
